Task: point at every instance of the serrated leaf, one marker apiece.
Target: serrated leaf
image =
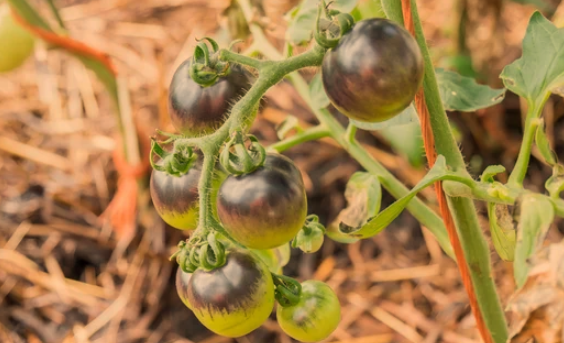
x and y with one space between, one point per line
406 117
461 93
317 93
383 219
502 230
541 67
541 140
536 213
302 23
364 195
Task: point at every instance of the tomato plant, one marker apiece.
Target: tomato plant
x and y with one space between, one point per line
16 43
181 283
314 317
266 208
234 299
196 110
373 73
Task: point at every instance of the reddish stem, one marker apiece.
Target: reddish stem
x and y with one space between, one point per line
431 153
67 43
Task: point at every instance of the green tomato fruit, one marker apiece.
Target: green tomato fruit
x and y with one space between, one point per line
314 317
16 43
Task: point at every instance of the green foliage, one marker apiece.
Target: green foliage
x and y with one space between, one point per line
460 93
16 43
503 230
364 195
536 213
541 67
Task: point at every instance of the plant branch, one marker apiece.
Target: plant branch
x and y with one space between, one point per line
310 134
519 172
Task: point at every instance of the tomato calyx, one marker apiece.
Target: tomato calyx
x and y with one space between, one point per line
205 253
310 238
206 68
175 163
331 25
237 158
287 291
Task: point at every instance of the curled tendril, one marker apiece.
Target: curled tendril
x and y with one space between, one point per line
205 68
242 160
324 33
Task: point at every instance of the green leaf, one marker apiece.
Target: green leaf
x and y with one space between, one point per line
544 146
392 10
383 219
541 67
408 116
368 9
502 230
302 19
460 93
317 93
536 213
364 195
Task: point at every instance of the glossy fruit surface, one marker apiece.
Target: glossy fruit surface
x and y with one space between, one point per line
195 110
182 281
234 299
176 197
16 43
374 72
316 315
266 208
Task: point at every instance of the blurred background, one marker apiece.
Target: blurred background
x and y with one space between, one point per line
66 277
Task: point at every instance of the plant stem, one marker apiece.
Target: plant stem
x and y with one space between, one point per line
474 245
227 55
56 14
519 172
310 134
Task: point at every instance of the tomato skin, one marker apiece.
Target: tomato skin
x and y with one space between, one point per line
176 197
234 299
266 208
16 43
374 72
182 281
315 317
195 110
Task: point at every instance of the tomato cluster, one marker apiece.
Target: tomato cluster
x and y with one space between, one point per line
229 269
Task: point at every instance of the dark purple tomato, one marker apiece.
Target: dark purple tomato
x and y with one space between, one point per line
234 299
266 208
182 280
374 72
176 197
195 110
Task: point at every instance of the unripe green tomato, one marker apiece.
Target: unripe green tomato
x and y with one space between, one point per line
314 317
16 43
234 299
